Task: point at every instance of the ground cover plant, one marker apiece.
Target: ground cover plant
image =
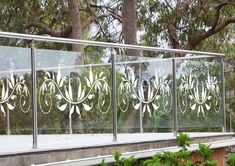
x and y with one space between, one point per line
180 158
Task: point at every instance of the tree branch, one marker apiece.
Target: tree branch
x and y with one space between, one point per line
217 14
167 3
93 18
64 33
195 41
171 28
110 10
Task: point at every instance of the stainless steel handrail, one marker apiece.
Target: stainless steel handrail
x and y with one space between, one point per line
100 44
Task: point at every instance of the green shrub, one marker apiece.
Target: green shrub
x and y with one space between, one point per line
124 161
183 156
206 153
170 158
183 140
180 158
231 160
103 163
155 161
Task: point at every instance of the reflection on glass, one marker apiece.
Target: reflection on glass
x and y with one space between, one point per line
15 97
76 96
199 94
144 95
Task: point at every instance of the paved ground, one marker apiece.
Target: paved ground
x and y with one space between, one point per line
23 143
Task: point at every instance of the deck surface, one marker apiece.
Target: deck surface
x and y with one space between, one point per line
15 144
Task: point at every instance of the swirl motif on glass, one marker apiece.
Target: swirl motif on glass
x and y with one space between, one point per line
79 97
150 95
199 96
11 89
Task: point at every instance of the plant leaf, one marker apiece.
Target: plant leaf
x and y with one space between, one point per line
86 107
3 90
7 93
11 107
144 108
13 97
78 110
90 96
58 77
2 110
62 107
148 109
91 76
12 80
137 106
67 94
133 96
70 90
59 96
207 107
155 106
193 106
88 82
62 82
82 95
157 97
71 110
10 84
79 90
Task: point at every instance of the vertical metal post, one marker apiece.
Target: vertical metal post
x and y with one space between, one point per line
70 116
223 94
34 96
8 122
230 123
175 123
114 102
140 109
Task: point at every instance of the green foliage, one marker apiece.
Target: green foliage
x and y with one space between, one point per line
170 158
191 163
206 153
180 158
211 163
231 160
129 161
230 82
103 163
183 140
183 155
189 20
155 161
117 158
123 161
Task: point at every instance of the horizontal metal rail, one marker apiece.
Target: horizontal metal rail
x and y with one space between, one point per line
100 44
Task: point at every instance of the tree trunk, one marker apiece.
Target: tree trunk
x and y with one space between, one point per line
76 24
129 20
129 29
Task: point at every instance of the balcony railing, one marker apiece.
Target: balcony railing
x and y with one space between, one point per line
51 91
